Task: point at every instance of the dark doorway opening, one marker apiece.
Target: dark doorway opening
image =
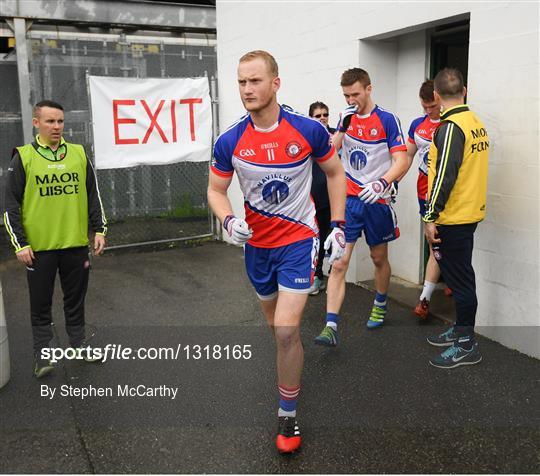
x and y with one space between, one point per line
450 48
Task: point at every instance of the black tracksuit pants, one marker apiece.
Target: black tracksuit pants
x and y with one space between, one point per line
454 255
323 220
73 266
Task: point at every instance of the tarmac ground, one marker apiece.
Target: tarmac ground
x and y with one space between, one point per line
371 405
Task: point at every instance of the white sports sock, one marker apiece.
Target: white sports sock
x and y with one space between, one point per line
282 412
428 290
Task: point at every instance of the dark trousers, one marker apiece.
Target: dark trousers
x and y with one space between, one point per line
323 219
73 266
454 255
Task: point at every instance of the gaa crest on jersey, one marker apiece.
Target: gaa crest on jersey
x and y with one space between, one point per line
275 192
292 149
358 159
373 132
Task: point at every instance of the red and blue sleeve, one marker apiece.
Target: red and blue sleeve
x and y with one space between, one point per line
222 159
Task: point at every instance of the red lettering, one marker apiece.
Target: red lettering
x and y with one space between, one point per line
173 119
191 101
153 121
122 120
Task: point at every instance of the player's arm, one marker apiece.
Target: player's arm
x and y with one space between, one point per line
385 187
400 166
14 193
412 148
450 142
337 139
344 121
217 196
237 229
411 152
96 212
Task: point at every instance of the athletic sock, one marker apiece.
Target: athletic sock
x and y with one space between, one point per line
380 300
288 398
332 320
427 291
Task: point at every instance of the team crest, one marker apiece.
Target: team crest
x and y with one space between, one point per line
275 192
292 149
358 159
373 132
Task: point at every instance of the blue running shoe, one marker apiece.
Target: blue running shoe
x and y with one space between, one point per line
328 337
376 319
458 355
445 339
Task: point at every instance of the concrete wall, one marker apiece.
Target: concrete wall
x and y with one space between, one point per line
314 42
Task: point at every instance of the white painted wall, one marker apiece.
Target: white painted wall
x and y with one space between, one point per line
314 43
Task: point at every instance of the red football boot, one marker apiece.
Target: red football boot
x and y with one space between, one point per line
288 438
422 309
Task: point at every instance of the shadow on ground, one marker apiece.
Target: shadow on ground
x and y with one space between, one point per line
373 405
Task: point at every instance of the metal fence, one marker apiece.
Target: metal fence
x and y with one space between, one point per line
145 203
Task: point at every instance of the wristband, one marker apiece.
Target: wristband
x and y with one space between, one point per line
338 224
227 219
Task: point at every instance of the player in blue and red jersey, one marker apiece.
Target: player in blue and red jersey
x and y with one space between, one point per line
373 154
419 141
271 149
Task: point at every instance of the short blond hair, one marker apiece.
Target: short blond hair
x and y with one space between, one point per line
266 57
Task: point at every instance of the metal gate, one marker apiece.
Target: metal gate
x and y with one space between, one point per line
144 204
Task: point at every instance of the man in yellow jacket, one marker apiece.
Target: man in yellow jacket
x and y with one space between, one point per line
457 189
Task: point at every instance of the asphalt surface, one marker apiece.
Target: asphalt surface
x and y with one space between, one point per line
372 405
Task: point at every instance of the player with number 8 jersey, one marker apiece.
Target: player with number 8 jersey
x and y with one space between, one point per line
373 153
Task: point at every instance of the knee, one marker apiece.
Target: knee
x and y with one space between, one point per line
340 266
286 336
379 260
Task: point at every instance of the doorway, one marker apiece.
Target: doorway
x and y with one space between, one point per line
449 47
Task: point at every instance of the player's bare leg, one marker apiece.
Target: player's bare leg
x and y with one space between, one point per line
290 361
379 257
269 310
432 277
335 295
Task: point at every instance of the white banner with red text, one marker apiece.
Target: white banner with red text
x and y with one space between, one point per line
150 121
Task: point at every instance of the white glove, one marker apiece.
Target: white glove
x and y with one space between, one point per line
373 191
391 193
345 117
336 240
237 229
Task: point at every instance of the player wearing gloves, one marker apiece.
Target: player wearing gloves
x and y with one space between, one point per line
374 156
271 149
237 229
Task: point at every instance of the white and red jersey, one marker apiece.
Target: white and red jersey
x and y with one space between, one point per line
421 134
274 171
368 144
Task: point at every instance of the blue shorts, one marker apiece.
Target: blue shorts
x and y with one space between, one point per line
377 221
287 268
